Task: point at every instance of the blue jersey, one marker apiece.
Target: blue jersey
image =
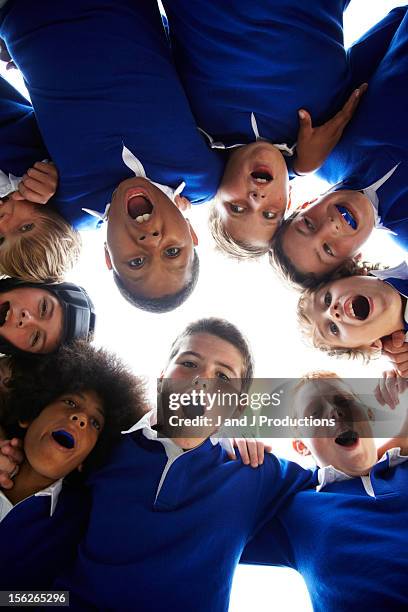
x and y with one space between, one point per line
166 531
376 139
100 77
348 540
266 57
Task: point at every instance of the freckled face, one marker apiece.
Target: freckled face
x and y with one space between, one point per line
329 231
254 193
150 245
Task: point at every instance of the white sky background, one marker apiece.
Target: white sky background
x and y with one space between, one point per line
248 295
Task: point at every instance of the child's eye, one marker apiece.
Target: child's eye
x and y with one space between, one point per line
328 250
222 376
308 224
269 214
27 227
236 209
334 329
70 403
172 251
136 263
43 308
35 338
189 364
95 423
327 298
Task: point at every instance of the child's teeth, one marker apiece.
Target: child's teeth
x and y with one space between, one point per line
7 315
146 216
261 180
139 219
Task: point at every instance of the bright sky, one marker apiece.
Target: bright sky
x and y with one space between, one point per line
248 295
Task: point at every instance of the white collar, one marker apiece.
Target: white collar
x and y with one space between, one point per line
329 474
52 491
283 147
134 164
400 271
371 193
8 184
146 425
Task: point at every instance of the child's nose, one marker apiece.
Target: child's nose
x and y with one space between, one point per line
335 311
148 237
24 318
80 420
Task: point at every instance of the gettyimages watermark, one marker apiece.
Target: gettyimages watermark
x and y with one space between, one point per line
279 408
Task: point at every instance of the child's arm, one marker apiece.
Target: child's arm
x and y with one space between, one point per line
314 144
11 456
38 185
387 393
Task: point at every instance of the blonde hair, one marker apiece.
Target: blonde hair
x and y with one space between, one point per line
309 331
226 244
44 254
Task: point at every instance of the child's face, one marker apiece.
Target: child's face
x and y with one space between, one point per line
16 218
31 319
354 312
254 193
351 447
329 231
64 433
204 356
150 245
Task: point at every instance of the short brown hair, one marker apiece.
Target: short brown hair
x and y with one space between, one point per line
220 328
45 254
226 244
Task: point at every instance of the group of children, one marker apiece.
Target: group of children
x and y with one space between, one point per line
118 90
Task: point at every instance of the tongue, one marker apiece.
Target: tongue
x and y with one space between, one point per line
138 205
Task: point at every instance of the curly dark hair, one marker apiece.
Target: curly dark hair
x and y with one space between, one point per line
74 368
166 303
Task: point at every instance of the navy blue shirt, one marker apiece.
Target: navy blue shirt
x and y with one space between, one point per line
166 532
269 58
100 76
376 139
348 544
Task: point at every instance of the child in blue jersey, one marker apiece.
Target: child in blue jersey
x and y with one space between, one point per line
118 126
249 76
69 409
368 168
168 513
348 536
37 244
350 316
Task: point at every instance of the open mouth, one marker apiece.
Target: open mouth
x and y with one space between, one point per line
64 438
347 438
361 307
193 410
139 207
347 216
261 175
4 312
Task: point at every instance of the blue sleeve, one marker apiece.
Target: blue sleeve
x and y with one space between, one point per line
368 51
270 546
21 141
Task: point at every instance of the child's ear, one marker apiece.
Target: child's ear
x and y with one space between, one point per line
300 448
358 256
377 344
107 258
193 234
182 203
